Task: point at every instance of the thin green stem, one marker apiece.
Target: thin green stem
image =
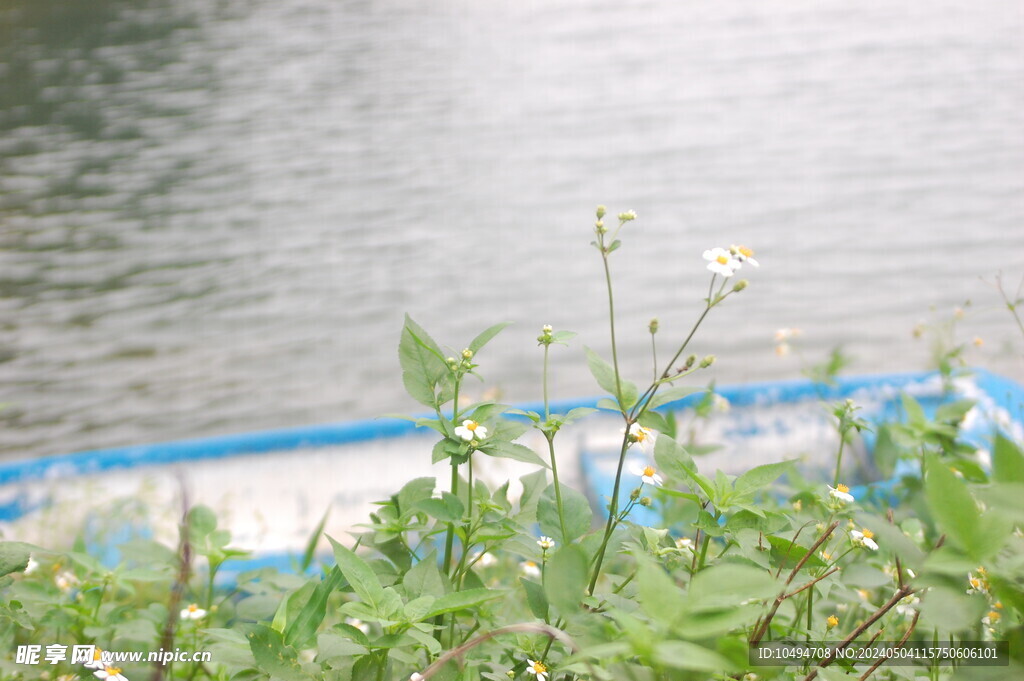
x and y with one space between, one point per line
449 539
547 408
613 507
839 457
611 320
558 487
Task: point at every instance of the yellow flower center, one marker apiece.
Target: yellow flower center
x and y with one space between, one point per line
193 607
868 534
113 671
998 605
826 555
539 667
864 594
975 583
982 571
649 472
472 425
530 564
97 654
746 252
993 616
833 621
842 488
722 260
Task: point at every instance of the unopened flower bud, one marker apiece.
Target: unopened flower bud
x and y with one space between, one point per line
599 227
601 210
653 326
467 354
635 494
646 501
707 361
740 285
627 216
547 328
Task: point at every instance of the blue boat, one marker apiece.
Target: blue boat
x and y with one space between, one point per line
271 488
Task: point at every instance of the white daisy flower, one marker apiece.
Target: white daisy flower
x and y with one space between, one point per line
546 543
992 618
193 612
647 473
416 676
721 262
639 435
471 430
978 584
537 668
864 537
483 559
66 581
743 254
906 606
529 568
97 660
110 673
840 492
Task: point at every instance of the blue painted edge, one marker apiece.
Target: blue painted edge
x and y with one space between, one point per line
1006 392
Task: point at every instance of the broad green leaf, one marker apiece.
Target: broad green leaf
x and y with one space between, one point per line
535 598
13 557
201 522
604 374
424 578
576 414
673 394
514 451
955 510
915 414
728 586
302 629
658 594
462 600
486 336
423 364
686 655
565 576
578 514
416 610
655 421
762 476
672 458
1007 460
448 509
413 492
359 575
950 610
788 554
273 657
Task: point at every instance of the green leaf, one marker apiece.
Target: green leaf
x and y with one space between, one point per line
302 630
424 578
565 576
728 586
273 657
314 539
448 509
201 522
514 451
462 600
672 394
413 492
578 514
956 512
658 594
788 554
416 610
423 364
915 414
672 458
486 336
535 598
654 420
13 557
686 655
762 476
604 374
362 578
1007 460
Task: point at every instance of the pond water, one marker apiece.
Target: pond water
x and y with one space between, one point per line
214 215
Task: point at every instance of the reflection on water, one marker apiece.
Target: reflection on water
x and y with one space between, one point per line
213 215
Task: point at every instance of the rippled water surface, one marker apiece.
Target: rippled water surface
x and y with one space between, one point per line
213 215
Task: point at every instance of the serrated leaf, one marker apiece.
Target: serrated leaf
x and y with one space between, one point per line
413 492
423 364
274 657
536 599
13 557
359 575
604 374
673 394
514 451
762 476
462 600
565 576
424 577
486 336
448 509
575 506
